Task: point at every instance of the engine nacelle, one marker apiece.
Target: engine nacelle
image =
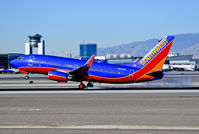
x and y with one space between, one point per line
58 76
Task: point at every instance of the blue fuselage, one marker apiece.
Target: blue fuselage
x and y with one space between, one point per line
100 71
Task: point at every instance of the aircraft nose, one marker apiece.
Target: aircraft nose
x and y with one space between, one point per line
13 62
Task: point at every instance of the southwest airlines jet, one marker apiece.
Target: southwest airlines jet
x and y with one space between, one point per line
64 69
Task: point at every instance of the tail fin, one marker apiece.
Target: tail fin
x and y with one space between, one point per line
132 64
2 68
138 59
154 60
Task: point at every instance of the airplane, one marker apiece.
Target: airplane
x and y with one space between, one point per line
4 70
67 69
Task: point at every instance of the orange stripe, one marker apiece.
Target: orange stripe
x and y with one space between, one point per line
154 69
159 66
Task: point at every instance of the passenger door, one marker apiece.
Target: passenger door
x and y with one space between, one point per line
30 61
131 74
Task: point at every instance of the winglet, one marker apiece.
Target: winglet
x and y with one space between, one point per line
89 62
82 72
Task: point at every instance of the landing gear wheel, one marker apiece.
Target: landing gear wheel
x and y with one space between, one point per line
27 77
31 82
89 85
81 86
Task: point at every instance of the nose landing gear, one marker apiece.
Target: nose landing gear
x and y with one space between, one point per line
27 77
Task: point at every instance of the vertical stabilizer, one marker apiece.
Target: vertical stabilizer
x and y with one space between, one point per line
154 60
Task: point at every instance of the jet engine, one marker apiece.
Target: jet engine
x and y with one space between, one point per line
58 76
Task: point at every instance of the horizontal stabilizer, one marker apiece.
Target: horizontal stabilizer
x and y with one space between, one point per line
156 74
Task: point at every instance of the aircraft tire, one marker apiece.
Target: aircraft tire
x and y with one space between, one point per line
90 84
82 86
31 82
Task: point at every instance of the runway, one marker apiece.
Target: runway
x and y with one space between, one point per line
93 111
172 80
167 106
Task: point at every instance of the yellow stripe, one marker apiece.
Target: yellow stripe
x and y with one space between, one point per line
159 52
151 69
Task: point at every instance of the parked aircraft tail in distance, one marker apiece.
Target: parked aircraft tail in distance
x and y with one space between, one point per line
4 70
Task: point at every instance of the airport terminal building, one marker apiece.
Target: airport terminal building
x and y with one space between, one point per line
87 50
181 63
6 58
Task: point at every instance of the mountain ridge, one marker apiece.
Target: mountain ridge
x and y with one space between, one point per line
183 43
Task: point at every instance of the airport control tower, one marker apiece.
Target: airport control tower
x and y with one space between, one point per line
35 41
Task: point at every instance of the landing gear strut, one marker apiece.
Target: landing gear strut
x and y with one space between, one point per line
82 85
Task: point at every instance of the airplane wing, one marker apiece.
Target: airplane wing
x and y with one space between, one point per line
81 73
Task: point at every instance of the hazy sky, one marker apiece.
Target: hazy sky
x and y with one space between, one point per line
66 23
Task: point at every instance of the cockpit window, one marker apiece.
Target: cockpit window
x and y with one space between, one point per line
20 58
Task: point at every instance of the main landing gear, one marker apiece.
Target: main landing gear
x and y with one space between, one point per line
89 85
82 85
